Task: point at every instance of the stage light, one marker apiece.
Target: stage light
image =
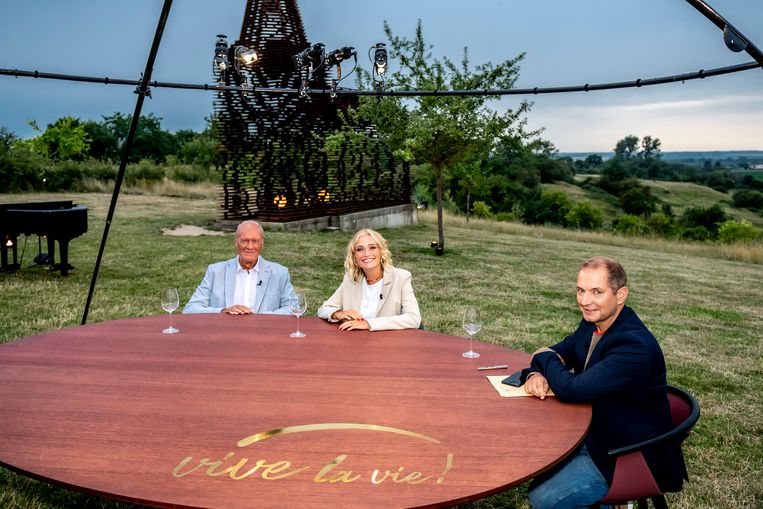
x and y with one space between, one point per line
310 57
339 55
221 52
245 56
380 58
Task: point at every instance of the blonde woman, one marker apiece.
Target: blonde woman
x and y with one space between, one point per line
374 295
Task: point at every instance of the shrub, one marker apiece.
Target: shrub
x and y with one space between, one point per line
696 233
585 216
628 224
737 230
62 176
190 173
98 170
661 223
636 199
20 169
748 199
146 171
551 208
708 218
481 209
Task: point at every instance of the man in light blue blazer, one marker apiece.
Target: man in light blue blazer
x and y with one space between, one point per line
245 284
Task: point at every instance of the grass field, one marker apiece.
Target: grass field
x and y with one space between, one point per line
704 304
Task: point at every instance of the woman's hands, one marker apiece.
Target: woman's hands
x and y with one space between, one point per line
351 320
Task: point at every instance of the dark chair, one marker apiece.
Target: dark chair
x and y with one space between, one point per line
632 479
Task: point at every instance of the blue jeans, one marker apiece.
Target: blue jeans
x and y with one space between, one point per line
576 483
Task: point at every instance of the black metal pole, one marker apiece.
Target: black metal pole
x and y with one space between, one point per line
142 91
721 23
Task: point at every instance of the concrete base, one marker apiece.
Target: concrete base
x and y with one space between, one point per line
387 217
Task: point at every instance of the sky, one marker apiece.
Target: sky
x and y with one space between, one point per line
566 43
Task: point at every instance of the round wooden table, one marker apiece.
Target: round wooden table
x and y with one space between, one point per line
232 412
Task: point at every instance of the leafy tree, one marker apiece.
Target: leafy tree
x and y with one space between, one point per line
612 175
627 147
444 130
7 138
650 148
707 218
748 199
720 180
553 207
636 198
593 161
151 141
65 138
103 142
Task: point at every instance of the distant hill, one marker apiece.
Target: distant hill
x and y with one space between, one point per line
728 158
679 195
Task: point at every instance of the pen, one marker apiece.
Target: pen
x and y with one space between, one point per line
499 366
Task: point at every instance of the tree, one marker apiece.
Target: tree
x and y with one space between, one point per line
636 199
707 219
627 147
151 141
650 148
7 138
65 138
103 142
748 199
445 130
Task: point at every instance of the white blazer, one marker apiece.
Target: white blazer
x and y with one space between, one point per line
397 308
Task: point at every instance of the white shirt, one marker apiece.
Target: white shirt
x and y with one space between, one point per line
371 297
245 290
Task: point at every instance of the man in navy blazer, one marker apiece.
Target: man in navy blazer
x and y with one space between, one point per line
614 363
245 284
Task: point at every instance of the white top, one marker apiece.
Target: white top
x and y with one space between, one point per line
245 290
371 297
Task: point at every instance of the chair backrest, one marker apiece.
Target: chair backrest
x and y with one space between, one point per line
684 409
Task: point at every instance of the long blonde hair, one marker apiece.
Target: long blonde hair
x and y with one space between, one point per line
355 272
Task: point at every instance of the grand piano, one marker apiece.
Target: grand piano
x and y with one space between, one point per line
54 220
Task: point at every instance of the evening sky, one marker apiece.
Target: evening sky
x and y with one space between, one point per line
565 43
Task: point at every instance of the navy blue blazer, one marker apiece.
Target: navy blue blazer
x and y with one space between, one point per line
625 382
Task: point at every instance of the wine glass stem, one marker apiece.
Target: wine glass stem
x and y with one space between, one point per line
471 343
297 323
170 320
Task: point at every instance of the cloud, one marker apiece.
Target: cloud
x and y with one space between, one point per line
735 101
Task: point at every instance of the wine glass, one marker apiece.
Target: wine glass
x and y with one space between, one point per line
297 306
170 302
472 325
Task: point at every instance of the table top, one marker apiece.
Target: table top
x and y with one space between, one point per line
232 412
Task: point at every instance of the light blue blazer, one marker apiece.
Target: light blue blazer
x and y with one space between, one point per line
215 292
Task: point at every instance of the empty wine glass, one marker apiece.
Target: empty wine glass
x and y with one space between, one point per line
170 302
472 325
298 306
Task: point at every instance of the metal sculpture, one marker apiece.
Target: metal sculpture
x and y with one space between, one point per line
277 165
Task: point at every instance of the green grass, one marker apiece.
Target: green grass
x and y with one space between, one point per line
703 302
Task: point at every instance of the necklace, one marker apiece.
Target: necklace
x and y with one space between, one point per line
372 281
